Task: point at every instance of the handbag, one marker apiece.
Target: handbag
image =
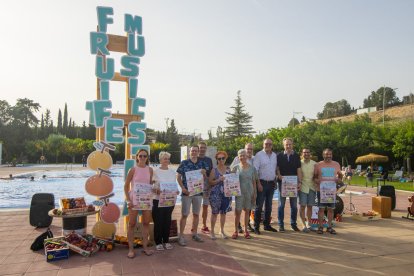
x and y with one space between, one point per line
38 243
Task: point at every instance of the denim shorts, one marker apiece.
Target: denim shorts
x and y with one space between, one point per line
307 199
328 205
187 201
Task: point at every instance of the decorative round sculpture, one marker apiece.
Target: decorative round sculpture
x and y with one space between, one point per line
104 230
99 185
99 159
110 213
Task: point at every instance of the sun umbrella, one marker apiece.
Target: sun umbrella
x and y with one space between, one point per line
371 158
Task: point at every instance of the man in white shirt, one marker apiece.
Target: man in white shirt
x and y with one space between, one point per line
265 162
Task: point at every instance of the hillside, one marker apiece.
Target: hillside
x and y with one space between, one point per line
393 114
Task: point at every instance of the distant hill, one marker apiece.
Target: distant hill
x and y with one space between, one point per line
392 114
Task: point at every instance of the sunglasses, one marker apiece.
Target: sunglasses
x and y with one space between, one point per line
142 156
221 158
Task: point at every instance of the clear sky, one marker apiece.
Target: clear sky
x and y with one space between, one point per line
284 56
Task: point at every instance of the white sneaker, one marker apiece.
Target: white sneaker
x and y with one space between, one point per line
181 241
159 247
168 246
197 238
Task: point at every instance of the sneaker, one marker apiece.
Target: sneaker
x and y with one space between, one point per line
305 230
205 230
281 229
197 238
181 241
168 246
159 247
269 228
295 228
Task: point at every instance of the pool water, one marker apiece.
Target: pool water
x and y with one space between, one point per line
17 193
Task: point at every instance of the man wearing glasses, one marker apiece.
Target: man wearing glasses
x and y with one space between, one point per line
288 164
307 192
191 164
206 192
265 162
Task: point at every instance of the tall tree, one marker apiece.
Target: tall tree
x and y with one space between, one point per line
59 122
173 139
47 117
335 109
5 115
376 98
23 112
239 121
65 125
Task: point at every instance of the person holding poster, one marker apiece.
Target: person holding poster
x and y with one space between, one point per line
327 175
192 192
307 193
289 176
165 185
139 177
265 162
220 204
248 178
206 189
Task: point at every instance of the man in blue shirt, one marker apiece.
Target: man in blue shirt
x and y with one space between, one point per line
191 164
206 191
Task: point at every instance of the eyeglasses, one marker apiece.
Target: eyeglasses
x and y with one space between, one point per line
221 158
142 156
268 144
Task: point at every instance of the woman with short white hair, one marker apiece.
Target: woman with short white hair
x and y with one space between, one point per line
162 215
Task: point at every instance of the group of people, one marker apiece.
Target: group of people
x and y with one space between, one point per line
259 176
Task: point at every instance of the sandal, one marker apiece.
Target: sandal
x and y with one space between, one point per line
247 235
320 230
131 255
147 252
235 235
331 230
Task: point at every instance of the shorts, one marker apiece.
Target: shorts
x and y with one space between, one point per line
206 200
321 205
187 201
307 199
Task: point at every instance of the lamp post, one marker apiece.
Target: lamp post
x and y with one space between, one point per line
383 105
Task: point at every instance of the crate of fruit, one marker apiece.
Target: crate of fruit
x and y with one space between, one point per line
56 249
80 245
366 216
73 205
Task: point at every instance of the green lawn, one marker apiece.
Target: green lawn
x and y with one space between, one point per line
361 181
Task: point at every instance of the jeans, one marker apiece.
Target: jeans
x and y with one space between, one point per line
293 210
266 197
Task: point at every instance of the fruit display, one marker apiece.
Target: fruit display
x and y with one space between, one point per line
56 249
369 213
80 245
123 240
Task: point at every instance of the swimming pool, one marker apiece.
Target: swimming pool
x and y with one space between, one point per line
17 193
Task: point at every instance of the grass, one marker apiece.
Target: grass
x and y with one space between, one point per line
361 181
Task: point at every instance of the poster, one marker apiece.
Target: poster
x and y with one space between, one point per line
167 199
231 185
195 182
142 196
290 186
168 187
328 191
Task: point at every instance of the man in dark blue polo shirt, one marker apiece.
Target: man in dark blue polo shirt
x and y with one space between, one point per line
288 164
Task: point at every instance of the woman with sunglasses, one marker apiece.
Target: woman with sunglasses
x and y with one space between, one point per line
141 173
218 202
245 202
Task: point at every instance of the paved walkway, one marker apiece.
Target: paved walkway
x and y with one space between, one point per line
360 248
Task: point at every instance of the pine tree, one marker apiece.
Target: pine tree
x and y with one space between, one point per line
59 122
173 139
239 120
65 120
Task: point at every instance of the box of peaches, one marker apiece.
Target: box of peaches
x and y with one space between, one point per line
366 216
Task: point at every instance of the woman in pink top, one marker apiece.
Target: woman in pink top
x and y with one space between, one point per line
140 173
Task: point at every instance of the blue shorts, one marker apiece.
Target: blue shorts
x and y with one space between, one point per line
307 199
322 205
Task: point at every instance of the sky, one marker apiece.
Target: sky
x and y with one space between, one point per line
285 57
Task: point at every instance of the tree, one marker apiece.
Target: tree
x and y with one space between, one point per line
55 144
5 115
335 109
172 138
65 120
376 98
239 120
293 122
59 122
23 112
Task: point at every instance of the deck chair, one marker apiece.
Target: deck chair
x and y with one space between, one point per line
410 208
397 176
